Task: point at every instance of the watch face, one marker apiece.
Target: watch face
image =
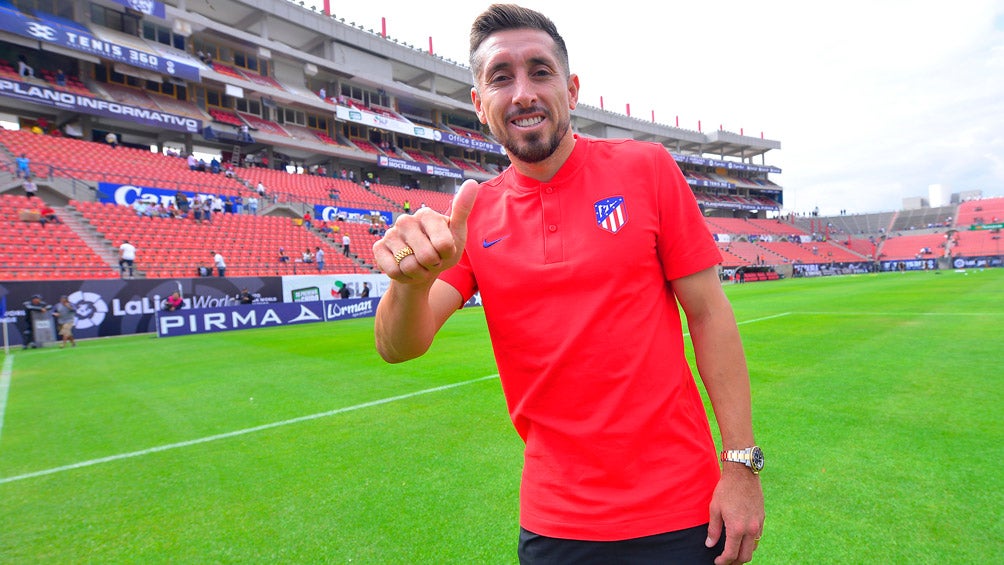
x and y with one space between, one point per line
756 459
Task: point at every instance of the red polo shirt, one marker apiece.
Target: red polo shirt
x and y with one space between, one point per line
587 337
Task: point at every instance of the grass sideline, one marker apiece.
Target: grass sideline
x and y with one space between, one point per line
877 400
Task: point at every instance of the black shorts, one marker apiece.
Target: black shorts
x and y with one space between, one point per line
683 547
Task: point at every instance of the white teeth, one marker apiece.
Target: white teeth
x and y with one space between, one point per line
529 122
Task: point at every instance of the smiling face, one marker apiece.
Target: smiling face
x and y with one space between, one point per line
525 95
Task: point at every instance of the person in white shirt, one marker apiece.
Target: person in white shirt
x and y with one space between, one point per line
221 266
127 258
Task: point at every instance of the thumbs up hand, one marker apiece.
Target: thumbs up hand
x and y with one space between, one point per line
420 246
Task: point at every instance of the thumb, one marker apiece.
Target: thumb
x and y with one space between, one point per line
463 203
714 529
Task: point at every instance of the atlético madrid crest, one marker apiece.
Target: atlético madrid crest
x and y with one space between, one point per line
611 213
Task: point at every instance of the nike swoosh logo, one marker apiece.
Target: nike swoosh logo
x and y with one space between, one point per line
486 244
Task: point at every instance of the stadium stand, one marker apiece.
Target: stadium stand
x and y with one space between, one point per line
398 124
177 247
33 250
86 160
979 212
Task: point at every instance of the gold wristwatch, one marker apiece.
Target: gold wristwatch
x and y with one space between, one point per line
752 457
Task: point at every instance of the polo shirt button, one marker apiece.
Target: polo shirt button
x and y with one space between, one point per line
552 227
549 190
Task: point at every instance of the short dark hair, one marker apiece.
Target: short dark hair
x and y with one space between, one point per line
502 17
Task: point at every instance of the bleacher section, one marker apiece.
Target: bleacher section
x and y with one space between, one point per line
438 201
98 162
176 247
30 250
922 218
979 212
312 189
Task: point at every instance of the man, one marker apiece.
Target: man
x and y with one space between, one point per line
30 188
319 258
221 266
346 241
34 305
127 258
23 166
66 317
245 297
620 464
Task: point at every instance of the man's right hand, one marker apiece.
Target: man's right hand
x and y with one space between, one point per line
437 240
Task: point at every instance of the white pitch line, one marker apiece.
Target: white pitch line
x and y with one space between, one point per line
781 315
900 313
236 433
8 365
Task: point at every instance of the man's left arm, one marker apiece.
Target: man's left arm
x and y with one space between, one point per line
738 499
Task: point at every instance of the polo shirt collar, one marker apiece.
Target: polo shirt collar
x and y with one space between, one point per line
568 169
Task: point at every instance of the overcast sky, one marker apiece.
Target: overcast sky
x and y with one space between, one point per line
872 101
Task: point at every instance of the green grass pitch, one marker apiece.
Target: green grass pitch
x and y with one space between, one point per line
878 401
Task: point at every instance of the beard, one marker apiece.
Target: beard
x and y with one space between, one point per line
535 147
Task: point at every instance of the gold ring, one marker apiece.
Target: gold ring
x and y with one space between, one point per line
402 253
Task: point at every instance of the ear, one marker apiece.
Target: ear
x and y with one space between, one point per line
573 91
476 100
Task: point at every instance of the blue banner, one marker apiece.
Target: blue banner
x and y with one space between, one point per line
467 142
358 215
47 30
229 318
148 7
73 102
421 168
127 194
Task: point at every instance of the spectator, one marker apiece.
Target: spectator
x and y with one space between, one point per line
208 205
23 68
345 244
306 219
319 259
407 206
214 166
307 256
221 266
366 290
48 215
182 202
193 163
23 166
30 188
60 77
283 258
197 209
66 317
127 258
33 306
173 302
244 297
252 205
112 139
